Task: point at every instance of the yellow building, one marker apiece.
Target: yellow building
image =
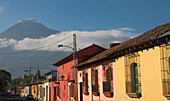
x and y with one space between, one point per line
41 91
22 92
34 91
135 70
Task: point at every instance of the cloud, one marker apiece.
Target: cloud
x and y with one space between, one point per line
84 39
7 42
126 29
1 9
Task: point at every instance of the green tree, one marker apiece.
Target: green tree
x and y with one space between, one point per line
5 79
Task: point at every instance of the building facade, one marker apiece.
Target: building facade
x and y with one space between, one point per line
135 70
66 86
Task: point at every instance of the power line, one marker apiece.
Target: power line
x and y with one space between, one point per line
37 47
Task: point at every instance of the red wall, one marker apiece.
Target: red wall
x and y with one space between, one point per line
67 71
52 85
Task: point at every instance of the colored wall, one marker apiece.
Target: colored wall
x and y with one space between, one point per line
52 91
34 91
151 83
22 93
46 86
26 90
40 90
90 96
67 71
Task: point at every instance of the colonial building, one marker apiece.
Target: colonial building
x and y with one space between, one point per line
135 70
66 86
53 87
26 90
48 77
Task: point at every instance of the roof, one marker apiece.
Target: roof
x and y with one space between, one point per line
102 54
119 50
70 57
163 35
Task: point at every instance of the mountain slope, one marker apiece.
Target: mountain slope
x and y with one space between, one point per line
17 63
27 28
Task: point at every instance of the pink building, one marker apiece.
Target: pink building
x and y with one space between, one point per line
66 88
52 86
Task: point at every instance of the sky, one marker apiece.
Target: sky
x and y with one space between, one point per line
94 21
86 15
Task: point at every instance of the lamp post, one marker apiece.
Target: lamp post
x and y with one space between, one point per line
74 57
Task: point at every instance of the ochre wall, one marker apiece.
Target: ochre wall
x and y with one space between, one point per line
34 88
150 77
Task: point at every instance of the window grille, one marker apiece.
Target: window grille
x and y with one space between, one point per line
94 80
132 73
165 68
107 78
85 81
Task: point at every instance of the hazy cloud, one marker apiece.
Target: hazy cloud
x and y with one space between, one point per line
1 9
7 42
126 29
84 39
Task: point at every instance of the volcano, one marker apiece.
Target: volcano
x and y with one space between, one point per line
27 29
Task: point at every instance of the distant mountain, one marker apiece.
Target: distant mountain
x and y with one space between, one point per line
17 63
27 28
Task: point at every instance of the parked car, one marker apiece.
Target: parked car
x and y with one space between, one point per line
29 97
11 95
4 93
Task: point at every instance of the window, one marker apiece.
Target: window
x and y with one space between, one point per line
165 70
85 83
108 80
58 91
72 90
68 76
133 75
95 85
134 78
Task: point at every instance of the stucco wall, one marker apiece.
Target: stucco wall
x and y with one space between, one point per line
26 90
34 91
151 83
150 77
91 97
46 89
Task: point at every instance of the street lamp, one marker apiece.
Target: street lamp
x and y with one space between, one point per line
74 55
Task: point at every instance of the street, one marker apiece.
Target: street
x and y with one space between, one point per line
14 98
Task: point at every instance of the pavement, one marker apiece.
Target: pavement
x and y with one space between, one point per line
13 98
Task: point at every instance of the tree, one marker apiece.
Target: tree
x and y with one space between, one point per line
5 79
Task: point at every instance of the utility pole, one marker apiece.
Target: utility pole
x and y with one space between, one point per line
74 57
37 79
30 81
74 67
